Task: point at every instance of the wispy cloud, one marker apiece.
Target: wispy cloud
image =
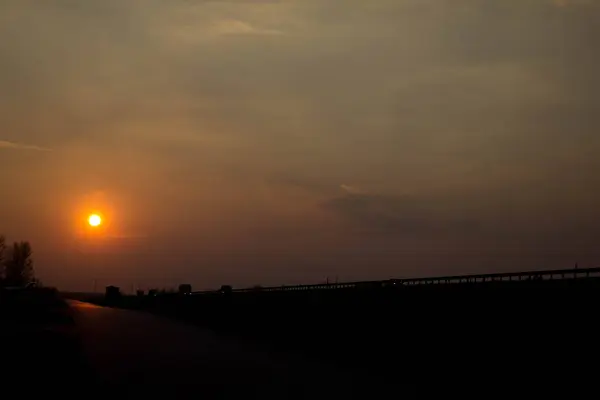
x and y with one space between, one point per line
4 144
351 189
237 27
396 215
567 3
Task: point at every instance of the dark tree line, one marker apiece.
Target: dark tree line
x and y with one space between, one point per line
16 263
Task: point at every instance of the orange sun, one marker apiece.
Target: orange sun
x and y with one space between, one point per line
94 220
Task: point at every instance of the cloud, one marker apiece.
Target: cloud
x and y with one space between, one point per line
567 3
395 215
19 146
237 27
126 236
350 189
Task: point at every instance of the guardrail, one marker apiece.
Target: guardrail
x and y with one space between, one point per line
560 274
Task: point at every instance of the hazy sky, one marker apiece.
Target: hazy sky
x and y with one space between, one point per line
269 142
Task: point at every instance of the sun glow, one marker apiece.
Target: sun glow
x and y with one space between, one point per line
94 220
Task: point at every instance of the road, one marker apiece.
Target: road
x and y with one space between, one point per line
140 353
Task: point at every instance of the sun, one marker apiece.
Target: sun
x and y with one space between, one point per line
94 220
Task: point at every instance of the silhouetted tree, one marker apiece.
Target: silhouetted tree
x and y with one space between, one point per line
19 265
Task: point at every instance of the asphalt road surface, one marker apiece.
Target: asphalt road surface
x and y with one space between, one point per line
142 354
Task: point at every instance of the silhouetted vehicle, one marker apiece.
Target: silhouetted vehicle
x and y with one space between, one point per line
392 283
113 294
226 289
185 288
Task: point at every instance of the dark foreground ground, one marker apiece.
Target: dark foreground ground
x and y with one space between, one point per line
140 353
70 348
531 339
39 343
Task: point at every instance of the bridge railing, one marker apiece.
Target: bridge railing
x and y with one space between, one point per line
574 273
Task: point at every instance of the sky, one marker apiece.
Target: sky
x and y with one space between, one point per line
282 142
